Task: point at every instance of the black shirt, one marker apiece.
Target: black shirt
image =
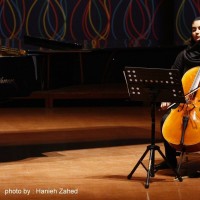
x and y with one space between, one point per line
187 59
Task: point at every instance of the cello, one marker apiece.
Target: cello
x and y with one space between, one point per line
181 128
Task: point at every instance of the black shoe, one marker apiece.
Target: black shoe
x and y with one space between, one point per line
162 165
195 174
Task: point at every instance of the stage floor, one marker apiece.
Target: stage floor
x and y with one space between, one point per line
87 155
22 126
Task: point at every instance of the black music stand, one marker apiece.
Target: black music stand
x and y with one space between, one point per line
153 85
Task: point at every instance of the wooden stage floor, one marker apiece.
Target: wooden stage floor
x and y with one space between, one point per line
85 153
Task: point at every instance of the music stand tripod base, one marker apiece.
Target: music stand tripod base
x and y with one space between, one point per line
152 85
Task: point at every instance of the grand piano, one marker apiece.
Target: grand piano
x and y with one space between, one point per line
19 71
18 74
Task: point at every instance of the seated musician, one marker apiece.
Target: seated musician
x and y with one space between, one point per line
185 60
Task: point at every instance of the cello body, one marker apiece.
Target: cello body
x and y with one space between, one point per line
173 126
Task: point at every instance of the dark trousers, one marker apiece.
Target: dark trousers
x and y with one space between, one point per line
170 152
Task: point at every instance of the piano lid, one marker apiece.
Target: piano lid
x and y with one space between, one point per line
50 44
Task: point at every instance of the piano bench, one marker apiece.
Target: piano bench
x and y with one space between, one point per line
78 92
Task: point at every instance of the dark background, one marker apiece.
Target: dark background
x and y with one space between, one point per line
117 33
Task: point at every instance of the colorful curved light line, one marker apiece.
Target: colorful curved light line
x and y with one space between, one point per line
99 21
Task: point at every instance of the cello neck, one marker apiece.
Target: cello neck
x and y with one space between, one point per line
195 84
